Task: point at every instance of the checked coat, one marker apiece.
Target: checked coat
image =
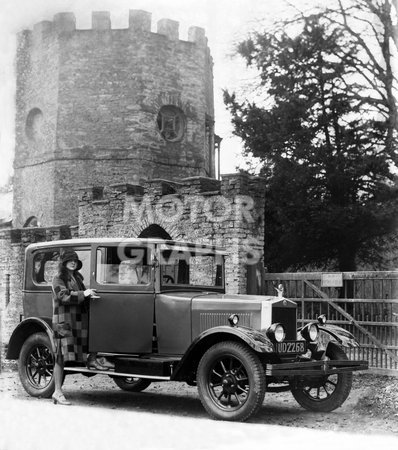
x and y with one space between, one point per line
70 317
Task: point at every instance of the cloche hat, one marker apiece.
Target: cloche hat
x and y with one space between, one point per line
70 255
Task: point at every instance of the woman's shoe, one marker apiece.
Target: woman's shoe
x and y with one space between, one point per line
93 363
105 363
60 399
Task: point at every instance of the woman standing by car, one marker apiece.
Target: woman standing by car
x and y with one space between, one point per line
70 320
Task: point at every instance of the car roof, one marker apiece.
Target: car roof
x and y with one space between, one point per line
89 241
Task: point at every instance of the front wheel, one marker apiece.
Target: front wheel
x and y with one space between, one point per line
327 392
231 381
131 384
36 366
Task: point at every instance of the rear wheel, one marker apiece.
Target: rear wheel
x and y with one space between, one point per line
324 393
231 381
131 384
36 366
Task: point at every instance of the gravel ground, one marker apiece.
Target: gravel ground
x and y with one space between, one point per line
372 406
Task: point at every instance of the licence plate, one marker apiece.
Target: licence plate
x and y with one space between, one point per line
291 347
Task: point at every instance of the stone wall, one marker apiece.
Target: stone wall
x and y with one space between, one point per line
87 107
228 213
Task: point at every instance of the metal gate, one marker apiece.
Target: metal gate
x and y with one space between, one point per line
366 304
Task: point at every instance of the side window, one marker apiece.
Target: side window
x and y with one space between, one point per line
45 266
185 267
126 266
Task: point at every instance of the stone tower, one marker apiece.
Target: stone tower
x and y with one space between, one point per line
103 106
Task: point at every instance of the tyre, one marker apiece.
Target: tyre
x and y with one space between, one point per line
231 381
36 366
131 384
324 393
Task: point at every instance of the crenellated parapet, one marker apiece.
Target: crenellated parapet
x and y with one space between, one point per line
64 23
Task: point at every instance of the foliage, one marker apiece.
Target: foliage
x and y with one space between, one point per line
326 143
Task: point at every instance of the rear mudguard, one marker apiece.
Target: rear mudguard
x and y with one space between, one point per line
25 329
333 333
258 341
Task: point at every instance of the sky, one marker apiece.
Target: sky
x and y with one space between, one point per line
226 22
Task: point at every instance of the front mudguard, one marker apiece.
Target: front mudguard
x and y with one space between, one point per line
257 340
25 329
332 333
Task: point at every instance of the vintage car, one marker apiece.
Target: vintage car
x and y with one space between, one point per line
163 314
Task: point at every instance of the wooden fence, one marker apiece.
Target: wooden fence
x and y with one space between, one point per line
366 304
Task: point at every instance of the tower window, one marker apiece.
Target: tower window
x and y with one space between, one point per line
34 123
171 123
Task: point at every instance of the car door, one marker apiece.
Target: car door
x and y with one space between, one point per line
121 320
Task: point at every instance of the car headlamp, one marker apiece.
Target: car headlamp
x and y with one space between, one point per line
310 332
233 320
276 332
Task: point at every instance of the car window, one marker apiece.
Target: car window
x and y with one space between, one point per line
191 268
126 266
45 266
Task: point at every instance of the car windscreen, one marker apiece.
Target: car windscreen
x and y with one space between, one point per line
191 267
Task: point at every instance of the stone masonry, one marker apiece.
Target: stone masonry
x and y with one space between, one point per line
228 213
88 104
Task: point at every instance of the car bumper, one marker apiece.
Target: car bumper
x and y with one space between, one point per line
314 368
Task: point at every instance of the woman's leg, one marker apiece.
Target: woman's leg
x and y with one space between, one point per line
58 373
58 396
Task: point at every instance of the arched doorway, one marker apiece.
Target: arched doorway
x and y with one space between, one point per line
32 222
154 231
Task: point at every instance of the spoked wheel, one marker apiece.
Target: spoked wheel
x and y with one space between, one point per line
324 393
231 381
36 366
131 384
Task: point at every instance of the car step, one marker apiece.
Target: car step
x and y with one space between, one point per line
280 388
151 366
112 372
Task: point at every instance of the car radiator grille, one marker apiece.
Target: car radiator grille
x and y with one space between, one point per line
288 318
209 320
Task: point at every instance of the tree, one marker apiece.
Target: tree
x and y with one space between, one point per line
331 195
372 25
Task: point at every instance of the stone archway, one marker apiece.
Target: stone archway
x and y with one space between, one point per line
154 231
32 222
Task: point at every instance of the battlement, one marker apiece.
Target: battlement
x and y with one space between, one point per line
64 23
230 184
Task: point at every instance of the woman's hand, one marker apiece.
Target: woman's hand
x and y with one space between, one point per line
90 293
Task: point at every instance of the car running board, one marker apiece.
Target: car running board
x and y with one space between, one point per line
112 372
